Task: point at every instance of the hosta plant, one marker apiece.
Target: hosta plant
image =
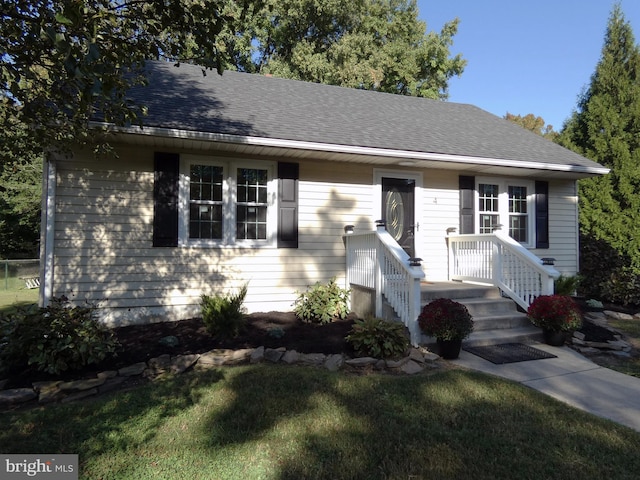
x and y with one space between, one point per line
378 338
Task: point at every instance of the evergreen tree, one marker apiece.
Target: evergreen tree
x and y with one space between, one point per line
606 128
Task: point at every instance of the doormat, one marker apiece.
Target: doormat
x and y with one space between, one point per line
508 353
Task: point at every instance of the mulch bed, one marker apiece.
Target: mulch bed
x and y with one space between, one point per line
140 343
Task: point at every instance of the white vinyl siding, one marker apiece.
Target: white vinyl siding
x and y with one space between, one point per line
104 224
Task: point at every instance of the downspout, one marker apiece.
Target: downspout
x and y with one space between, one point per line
47 230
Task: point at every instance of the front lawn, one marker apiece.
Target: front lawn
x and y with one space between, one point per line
280 422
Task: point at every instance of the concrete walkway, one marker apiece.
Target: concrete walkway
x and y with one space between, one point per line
573 379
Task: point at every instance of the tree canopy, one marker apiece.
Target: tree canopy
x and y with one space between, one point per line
369 44
533 123
64 60
606 128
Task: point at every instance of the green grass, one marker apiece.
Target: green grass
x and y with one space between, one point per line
15 297
278 422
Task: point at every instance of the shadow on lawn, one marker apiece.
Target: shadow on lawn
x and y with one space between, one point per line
281 422
457 425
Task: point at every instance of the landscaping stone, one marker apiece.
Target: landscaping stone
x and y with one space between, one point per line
579 335
431 357
361 361
182 363
412 367
312 359
273 355
132 370
108 374
58 391
290 357
16 395
161 363
618 315
334 362
257 355
80 385
397 363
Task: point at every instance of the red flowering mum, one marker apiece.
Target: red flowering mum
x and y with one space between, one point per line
445 319
555 312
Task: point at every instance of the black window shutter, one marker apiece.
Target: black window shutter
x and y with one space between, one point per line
165 199
288 176
467 185
542 214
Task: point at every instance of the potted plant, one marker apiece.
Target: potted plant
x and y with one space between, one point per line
555 315
449 322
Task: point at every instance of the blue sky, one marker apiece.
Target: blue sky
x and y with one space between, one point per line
526 56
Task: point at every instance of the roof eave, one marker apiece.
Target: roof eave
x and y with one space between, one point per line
579 170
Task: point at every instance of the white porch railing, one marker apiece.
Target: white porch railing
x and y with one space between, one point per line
500 261
376 261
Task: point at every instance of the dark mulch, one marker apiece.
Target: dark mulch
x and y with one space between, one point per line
140 343
595 333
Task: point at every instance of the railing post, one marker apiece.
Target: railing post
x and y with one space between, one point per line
414 307
380 227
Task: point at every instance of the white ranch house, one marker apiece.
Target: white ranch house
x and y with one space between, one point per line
277 183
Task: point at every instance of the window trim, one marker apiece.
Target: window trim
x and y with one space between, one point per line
229 203
503 204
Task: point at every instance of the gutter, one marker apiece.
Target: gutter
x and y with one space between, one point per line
347 149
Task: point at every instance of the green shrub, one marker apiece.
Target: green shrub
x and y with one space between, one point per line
374 337
223 315
622 286
54 339
322 303
566 285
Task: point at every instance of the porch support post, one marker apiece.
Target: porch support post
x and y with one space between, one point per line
414 311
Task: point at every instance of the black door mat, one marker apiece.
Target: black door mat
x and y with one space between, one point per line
508 353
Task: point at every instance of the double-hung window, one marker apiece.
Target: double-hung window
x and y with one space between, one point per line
227 202
507 204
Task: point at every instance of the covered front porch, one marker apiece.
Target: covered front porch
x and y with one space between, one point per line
493 275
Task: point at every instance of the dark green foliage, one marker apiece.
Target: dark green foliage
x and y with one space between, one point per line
606 128
223 315
55 339
566 285
378 338
322 303
367 44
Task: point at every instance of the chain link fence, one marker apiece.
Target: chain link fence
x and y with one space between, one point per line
19 274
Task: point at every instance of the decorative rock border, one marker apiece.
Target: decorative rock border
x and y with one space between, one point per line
617 347
63 392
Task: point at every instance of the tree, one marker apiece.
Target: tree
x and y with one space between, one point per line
535 124
370 44
63 61
606 128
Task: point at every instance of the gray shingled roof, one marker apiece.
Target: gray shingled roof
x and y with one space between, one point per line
268 107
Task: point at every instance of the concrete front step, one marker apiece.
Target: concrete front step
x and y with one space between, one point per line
455 290
500 322
496 319
525 335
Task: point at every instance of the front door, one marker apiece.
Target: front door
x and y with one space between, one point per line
398 211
